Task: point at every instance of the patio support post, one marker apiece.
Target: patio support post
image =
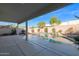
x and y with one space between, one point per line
17 32
26 30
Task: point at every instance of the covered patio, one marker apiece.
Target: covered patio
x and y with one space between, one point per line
16 45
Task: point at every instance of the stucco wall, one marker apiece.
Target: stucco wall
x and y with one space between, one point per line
63 28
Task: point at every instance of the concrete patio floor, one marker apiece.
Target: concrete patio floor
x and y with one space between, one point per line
34 46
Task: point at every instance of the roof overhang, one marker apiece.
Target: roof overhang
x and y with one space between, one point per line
19 12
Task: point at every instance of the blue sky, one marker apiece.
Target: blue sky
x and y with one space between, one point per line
64 14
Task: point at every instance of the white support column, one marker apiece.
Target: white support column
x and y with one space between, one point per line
17 30
26 30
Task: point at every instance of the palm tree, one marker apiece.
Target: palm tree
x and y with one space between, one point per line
54 21
41 25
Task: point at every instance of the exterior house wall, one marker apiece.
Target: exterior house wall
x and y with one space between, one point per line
36 30
63 28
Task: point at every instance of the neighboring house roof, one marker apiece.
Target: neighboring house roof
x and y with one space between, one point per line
71 22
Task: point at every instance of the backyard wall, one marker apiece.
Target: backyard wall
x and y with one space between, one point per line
63 28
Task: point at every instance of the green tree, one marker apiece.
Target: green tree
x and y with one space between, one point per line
54 21
41 24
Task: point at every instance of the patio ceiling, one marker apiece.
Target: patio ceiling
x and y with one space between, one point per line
19 12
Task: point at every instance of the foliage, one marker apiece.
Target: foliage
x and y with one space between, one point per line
41 24
54 21
38 30
46 29
53 30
